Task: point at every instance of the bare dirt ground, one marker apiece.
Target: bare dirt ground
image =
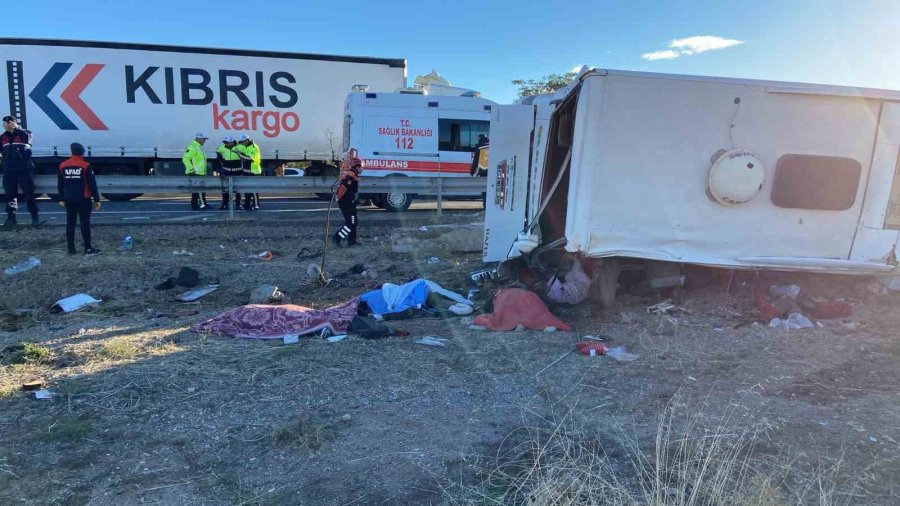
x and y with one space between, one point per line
145 411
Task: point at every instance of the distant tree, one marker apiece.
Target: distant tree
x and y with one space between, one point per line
546 84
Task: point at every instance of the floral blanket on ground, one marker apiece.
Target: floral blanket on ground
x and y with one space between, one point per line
258 321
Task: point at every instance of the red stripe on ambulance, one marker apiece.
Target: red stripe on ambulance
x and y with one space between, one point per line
416 166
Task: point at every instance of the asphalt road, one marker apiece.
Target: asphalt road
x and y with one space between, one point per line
170 211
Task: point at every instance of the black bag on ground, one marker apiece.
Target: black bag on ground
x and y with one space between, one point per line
368 328
187 277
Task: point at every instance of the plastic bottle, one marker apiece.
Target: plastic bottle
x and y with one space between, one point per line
127 243
23 266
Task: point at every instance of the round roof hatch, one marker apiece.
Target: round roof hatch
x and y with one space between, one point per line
736 177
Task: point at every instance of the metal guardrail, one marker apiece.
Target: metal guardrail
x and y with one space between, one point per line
431 186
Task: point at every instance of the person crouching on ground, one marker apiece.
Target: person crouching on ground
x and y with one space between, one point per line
348 196
77 187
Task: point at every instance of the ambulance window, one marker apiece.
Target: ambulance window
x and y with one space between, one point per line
346 144
460 135
825 183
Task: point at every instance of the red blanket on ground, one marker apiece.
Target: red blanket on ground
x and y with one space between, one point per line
272 322
514 307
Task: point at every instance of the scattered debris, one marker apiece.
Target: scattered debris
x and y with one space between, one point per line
265 294
166 285
596 338
460 309
129 218
665 308
467 320
23 266
795 321
183 252
198 293
290 339
780 290
335 339
74 303
550 329
434 260
477 327
844 323
265 256
432 341
30 386
127 243
43 395
313 272
482 275
346 417
620 355
187 277
591 348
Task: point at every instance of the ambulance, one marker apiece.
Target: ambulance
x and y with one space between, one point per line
415 132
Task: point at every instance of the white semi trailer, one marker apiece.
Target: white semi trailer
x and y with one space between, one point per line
137 106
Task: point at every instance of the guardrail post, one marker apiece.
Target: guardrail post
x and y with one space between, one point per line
230 198
440 191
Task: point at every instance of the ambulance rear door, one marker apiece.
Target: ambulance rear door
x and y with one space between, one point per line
400 136
460 121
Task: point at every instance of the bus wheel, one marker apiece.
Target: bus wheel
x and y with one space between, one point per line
397 202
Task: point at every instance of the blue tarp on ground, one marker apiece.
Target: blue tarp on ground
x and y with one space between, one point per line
396 298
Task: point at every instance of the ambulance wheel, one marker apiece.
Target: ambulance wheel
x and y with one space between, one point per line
605 282
397 202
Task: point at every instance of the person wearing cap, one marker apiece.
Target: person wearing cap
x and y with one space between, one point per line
348 196
252 167
18 170
230 165
195 165
77 187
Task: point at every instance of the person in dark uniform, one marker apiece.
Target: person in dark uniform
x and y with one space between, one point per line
348 196
18 170
77 187
230 165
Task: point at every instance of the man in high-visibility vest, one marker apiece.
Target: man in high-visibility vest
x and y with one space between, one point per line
480 157
230 165
195 165
252 167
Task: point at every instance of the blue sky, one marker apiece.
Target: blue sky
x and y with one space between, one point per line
485 44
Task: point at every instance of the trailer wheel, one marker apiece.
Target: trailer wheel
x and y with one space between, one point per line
118 170
397 202
320 169
605 281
